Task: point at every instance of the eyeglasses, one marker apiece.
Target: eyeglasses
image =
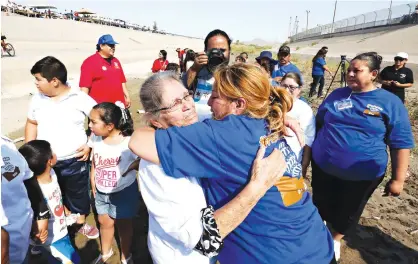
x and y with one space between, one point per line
290 87
177 103
399 59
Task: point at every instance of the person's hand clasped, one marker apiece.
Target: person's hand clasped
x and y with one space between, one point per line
268 171
393 188
83 152
396 83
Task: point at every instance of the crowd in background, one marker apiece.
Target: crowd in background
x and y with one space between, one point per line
200 163
83 15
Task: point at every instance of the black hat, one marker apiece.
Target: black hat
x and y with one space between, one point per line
284 49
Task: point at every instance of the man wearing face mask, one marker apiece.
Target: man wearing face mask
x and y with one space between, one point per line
397 77
199 78
102 76
284 66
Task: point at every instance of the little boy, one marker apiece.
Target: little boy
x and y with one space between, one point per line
54 237
57 115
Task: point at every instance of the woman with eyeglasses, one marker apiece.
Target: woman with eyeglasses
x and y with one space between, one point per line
397 78
175 226
319 67
355 126
302 112
161 63
284 226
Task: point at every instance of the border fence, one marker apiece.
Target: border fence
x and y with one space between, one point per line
397 15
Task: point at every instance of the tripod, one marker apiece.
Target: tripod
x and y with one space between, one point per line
343 81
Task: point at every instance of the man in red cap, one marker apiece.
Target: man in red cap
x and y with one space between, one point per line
102 76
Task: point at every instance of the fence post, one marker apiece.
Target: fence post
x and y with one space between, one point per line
364 21
375 17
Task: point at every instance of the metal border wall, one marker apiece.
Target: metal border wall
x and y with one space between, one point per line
397 15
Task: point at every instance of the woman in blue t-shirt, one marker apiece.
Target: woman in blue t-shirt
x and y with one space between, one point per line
318 69
284 226
355 125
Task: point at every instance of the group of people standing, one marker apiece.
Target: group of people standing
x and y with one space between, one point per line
239 108
211 193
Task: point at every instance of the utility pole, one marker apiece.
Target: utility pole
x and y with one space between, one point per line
333 19
297 26
390 12
307 19
294 25
290 25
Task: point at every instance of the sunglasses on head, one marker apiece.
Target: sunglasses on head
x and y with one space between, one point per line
399 59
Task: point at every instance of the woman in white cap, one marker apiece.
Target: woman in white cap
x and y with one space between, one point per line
397 77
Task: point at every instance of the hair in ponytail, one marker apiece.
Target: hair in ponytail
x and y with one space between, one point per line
117 115
249 82
281 102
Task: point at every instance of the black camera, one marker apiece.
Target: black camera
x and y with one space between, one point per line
215 58
343 57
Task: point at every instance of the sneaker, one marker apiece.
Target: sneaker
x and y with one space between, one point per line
337 249
103 258
89 231
127 261
35 251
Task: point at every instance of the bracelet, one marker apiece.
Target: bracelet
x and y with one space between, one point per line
210 243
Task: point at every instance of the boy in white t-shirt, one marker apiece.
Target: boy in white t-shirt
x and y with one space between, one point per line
57 114
41 159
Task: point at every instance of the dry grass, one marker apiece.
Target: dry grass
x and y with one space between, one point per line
250 49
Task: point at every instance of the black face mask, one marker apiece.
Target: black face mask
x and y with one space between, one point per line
216 57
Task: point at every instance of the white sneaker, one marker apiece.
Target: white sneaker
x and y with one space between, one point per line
127 261
101 259
337 249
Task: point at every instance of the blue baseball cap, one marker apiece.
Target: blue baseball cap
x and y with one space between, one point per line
106 39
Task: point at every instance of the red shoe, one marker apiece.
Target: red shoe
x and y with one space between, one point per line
89 231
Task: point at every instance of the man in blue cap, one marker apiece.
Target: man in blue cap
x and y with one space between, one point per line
102 76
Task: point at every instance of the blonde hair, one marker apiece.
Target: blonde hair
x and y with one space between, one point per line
251 83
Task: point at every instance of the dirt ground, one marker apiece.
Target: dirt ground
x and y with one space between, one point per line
382 236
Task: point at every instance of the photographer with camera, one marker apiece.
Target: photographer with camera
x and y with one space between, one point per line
199 78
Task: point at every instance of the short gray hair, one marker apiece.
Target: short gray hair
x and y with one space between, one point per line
151 95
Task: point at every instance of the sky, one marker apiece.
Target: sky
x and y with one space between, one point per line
242 20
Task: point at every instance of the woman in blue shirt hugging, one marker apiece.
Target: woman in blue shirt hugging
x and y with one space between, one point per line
319 68
355 125
284 226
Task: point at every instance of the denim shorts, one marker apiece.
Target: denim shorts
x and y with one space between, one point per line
119 205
